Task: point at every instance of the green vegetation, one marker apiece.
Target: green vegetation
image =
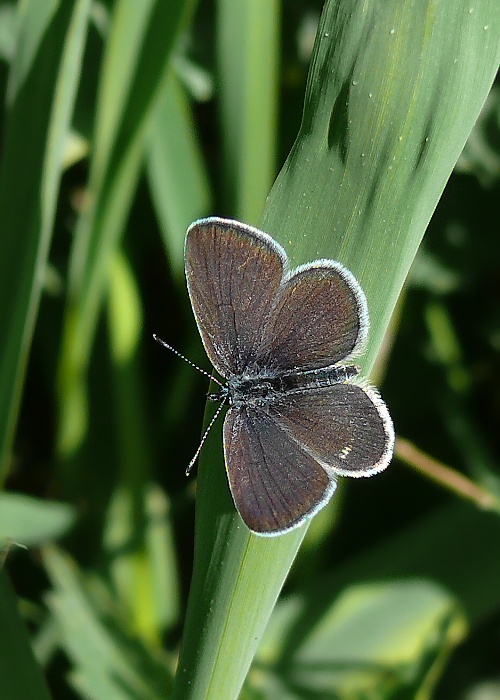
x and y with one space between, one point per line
122 123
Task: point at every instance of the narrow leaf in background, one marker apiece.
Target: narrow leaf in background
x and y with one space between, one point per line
248 49
138 50
50 41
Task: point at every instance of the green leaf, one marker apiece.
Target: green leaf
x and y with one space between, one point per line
50 43
138 50
33 522
248 49
20 676
109 662
373 638
177 177
138 539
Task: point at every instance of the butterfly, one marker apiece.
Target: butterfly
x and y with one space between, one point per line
283 340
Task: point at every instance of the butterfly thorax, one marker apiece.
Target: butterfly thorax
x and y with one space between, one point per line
260 389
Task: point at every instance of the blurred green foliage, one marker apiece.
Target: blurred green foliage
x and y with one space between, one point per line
118 130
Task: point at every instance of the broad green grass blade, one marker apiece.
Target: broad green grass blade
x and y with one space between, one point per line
49 44
176 172
393 92
140 43
408 82
248 49
20 675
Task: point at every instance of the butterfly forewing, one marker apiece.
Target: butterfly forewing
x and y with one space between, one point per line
345 427
328 332
233 277
274 482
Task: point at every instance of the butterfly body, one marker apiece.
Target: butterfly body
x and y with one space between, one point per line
262 388
283 339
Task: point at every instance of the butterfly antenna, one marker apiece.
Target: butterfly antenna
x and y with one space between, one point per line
176 352
205 435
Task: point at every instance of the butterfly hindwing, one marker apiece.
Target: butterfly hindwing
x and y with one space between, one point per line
275 484
345 427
